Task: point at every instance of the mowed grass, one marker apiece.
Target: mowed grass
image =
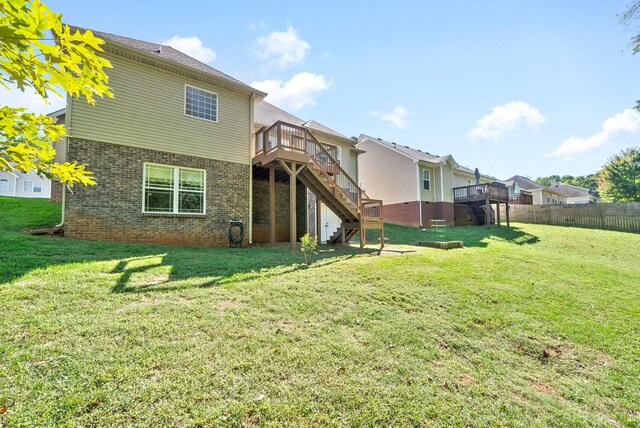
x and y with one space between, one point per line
526 326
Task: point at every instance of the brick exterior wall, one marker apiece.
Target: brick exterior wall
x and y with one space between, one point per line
56 191
408 213
261 211
112 209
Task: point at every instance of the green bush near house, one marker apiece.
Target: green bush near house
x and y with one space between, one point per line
526 326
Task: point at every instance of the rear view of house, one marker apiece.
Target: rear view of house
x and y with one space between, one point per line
184 151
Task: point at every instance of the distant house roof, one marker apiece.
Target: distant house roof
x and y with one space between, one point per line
524 183
415 154
169 54
267 114
530 185
312 124
570 191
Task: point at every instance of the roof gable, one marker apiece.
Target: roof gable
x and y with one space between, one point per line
414 154
169 55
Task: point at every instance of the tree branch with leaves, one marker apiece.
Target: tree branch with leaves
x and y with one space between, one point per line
38 51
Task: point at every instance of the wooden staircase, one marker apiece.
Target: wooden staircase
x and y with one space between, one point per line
480 213
296 150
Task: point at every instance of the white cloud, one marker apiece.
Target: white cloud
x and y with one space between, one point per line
33 102
296 93
398 117
627 121
191 46
506 119
282 48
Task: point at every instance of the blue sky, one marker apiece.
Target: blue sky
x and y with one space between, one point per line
526 87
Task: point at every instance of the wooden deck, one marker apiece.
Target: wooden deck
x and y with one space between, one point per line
480 197
295 150
479 193
521 199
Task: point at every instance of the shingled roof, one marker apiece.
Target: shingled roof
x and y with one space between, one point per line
312 124
570 191
267 114
168 54
415 154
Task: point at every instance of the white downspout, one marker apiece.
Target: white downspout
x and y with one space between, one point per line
251 145
64 194
64 186
441 184
419 193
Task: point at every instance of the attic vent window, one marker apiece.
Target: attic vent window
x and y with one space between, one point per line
200 103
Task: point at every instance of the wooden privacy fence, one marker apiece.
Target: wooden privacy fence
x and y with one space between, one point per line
623 217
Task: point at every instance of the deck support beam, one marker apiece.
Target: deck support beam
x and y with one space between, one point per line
487 212
508 225
272 207
318 220
293 172
498 213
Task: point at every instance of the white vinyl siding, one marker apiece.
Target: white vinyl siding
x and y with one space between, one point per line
147 111
389 176
174 190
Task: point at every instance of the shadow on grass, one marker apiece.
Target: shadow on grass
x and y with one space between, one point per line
217 266
472 236
155 268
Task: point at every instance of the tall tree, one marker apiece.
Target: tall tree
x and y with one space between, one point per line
630 17
619 179
38 52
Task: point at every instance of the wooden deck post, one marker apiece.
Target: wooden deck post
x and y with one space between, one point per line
487 212
293 172
508 213
318 220
272 207
292 208
498 213
382 237
344 231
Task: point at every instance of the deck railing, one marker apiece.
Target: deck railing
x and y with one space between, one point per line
521 199
479 192
294 138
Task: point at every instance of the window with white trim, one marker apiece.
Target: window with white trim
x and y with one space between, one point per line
37 187
172 189
426 179
200 103
27 186
4 185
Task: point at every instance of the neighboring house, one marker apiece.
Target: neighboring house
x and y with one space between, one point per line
541 195
416 186
24 185
574 194
175 157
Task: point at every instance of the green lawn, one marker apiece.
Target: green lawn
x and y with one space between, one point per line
527 326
